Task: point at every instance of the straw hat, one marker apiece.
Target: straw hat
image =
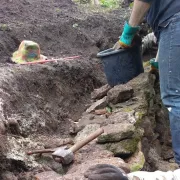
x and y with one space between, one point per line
28 51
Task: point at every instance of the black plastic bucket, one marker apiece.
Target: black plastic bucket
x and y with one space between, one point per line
121 65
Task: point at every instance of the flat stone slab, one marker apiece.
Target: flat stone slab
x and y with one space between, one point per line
120 93
86 131
101 92
102 103
116 132
102 120
124 148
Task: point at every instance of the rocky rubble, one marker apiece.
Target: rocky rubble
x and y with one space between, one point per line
100 92
132 130
119 93
35 113
88 156
41 106
136 130
132 123
116 132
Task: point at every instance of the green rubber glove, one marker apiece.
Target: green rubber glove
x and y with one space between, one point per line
154 64
128 35
154 68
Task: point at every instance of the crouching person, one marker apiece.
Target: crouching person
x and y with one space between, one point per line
109 172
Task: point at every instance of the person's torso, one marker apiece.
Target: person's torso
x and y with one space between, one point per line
162 10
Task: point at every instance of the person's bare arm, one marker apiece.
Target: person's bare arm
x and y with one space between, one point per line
140 9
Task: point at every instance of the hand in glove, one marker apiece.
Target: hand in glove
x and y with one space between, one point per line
104 172
154 64
128 38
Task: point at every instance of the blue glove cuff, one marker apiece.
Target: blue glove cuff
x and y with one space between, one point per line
130 30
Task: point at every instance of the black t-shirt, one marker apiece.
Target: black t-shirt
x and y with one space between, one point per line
161 11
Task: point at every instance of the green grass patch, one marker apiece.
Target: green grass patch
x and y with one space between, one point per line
110 3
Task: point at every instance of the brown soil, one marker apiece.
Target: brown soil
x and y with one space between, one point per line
62 28
41 100
59 26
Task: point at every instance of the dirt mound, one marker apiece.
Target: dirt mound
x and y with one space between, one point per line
43 98
40 103
60 27
14 11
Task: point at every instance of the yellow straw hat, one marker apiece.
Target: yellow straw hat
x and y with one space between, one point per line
28 51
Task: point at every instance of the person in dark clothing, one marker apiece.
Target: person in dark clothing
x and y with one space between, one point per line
109 172
164 18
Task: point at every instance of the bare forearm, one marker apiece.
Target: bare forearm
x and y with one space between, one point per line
140 9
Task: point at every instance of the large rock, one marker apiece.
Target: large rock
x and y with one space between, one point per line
116 133
144 96
8 176
166 166
148 125
101 92
167 153
123 148
103 120
143 85
122 117
102 103
120 93
162 126
86 131
137 160
17 148
157 163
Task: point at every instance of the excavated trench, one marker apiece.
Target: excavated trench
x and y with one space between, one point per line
40 103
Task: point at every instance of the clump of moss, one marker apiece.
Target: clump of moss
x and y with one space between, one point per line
4 27
139 118
139 165
123 148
